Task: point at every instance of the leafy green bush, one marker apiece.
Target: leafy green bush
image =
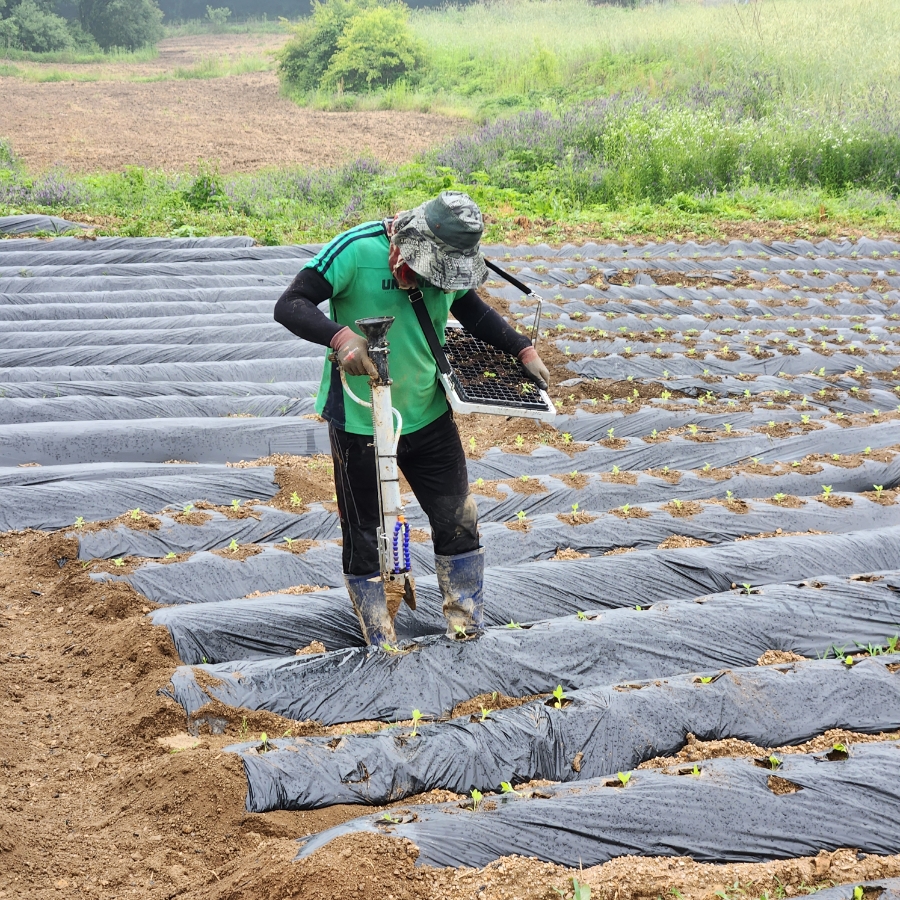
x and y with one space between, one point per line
376 49
359 44
305 58
126 24
218 16
32 25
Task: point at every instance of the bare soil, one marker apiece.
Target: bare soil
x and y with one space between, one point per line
240 123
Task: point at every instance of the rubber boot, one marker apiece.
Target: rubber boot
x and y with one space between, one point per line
461 582
369 603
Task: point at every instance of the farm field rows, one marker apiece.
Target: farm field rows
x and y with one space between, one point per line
692 573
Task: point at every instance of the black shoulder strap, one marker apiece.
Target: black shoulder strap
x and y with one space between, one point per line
417 300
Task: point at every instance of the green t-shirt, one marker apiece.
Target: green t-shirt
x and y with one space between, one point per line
355 264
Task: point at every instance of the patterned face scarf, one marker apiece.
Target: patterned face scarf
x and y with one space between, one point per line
406 278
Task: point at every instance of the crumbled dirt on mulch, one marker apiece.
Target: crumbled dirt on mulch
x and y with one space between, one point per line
419 535
777 533
778 430
788 501
620 477
835 502
576 518
310 649
576 480
143 522
497 431
298 546
778 785
696 750
516 525
296 589
752 468
527 485
618 551
243 551
739 507
673 476
717 474
845 461
564 553
232 512
806 467
883 498
614 443
488 489
634 512
310 478
193 517
491 702
683 509
681 542
774 657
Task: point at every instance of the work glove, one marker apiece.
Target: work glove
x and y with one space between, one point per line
352 353
535 367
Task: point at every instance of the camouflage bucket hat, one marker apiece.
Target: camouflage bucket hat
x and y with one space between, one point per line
439 240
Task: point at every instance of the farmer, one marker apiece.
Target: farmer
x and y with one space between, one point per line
366 272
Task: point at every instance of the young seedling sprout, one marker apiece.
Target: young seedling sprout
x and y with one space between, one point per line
574 510
826 490
476 798
416 716
559 694
878 489
479 482
296 500
235 504
706 679
289 541
624 777
485 713
170 554
625 508
610 432
472 443
507 788
581 615
119 562
519 440
513 624
747 587
567 438
186 509
233 546
695 770
521 516
265 742
79 522
677 503
615 470
136 513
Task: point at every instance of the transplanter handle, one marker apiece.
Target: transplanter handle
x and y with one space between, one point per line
375 330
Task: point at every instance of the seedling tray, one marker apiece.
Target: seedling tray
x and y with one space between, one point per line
486 380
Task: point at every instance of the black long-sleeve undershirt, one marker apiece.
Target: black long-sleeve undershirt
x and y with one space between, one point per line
297 309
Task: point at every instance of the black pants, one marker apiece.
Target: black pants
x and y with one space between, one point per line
433 461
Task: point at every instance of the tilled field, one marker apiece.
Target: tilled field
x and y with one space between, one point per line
694 573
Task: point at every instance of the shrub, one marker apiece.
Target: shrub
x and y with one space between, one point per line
375 50
218 16
31 25
127 24
303 60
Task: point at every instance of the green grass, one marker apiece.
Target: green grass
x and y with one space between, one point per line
217 67
515 54
75 57
204 26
